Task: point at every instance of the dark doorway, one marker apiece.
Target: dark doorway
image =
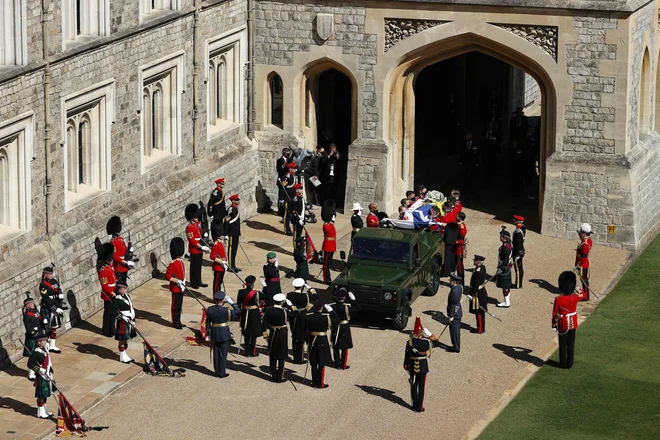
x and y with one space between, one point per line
334 126
497 168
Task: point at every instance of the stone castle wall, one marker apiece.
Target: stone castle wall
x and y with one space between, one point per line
151 204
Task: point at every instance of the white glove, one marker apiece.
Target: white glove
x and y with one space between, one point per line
328 308
308 286
289 303
351 296
59 311
181 284
277 262
131 249
229 300
301 222
451 319
206 234
45 321
263 282
130 264
224 264
42 372
469 297
206 249
208 338
427 333
554 329
126 319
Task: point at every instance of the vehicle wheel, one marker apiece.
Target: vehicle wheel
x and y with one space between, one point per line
434 284
401 318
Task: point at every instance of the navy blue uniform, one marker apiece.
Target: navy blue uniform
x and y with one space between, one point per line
217 327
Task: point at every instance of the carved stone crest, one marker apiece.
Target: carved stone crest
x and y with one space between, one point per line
325 25
545 37
398 29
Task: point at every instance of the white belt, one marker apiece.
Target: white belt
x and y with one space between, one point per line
571 314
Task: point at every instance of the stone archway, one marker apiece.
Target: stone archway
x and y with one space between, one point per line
328 114
400 105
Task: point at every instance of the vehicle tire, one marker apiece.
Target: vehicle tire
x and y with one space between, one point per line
434 284
401 318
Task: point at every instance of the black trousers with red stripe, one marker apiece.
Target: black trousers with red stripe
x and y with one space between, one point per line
417 387
327 261
341 358
218 277
195 270
318 375
481 322
177 307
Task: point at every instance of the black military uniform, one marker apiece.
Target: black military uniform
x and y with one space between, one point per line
41 364
504 263
455 314
518 243
276 319
35 326
296 212
450 238
342 340
318 325
51 306
272 276
248 299
300 257
415 362
301 301
217 329
356 223
479 301
233 232
216 205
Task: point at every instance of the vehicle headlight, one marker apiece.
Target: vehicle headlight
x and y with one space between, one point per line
387 296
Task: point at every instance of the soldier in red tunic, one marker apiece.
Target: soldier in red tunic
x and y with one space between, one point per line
108 280
195 246
119 261
459 247
564 317
458 206
176 275
218 255
582 263
372 218
329 246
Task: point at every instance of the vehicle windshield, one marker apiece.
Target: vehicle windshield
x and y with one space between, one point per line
387 251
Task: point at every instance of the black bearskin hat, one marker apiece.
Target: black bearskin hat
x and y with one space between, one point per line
192 211
567 282
177 247
106 252
113 226
217 230
328 210
451 234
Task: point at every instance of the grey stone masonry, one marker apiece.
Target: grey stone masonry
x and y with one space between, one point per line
645 172
367 172
286 27
586 116
151 203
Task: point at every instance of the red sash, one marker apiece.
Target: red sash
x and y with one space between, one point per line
248 297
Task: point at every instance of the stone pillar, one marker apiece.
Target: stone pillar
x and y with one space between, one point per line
367 173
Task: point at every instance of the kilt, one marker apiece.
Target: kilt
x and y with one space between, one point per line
124 330
41 388
30 344
278 341
504 280
52 319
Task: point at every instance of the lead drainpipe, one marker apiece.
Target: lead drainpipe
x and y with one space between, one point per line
250 70
198 6
47 79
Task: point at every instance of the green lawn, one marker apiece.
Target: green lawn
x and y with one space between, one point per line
613 389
